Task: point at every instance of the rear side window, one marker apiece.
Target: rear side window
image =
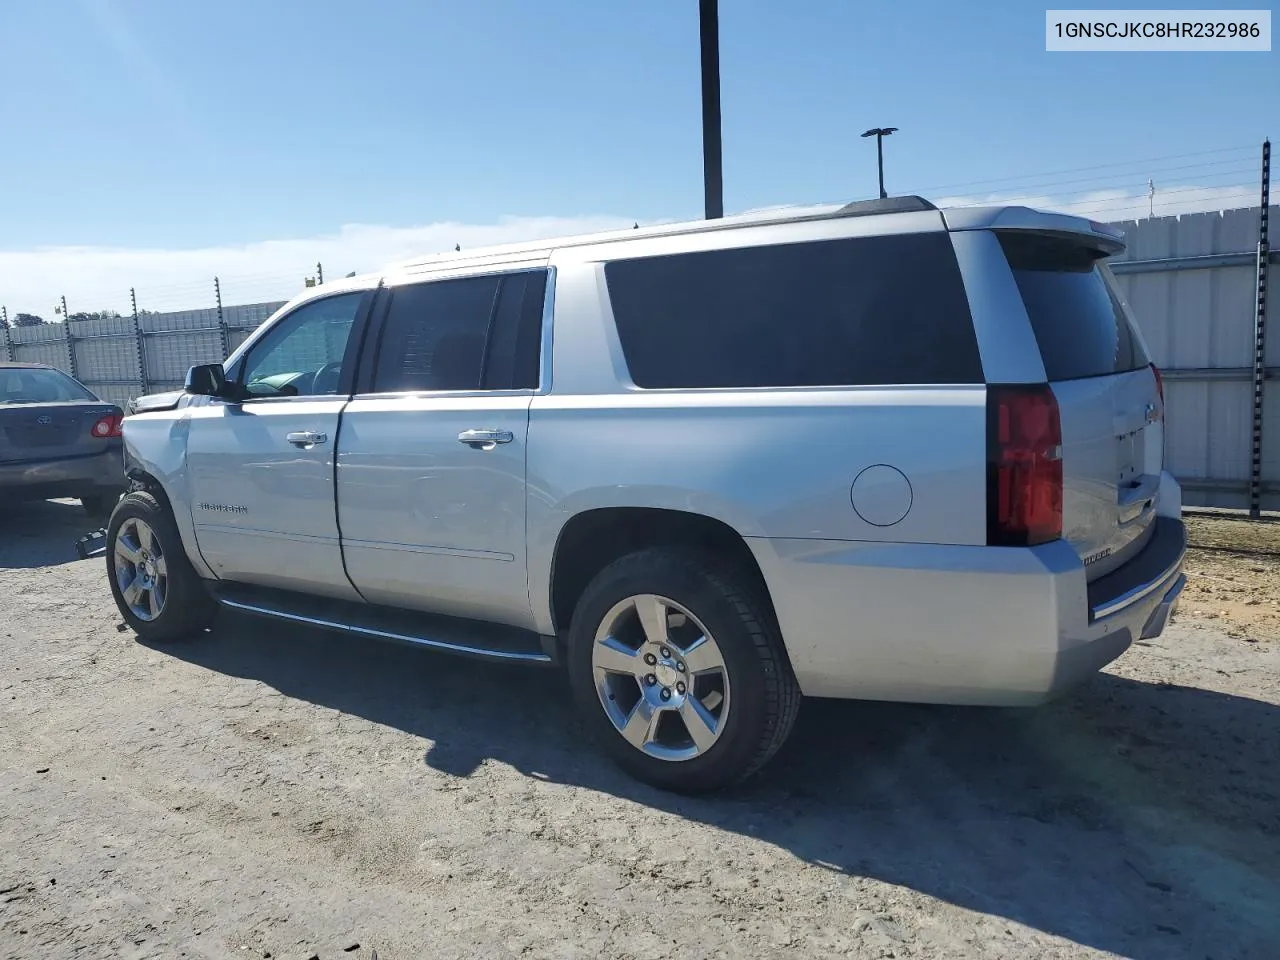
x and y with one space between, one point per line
435 336
870 310
1079 324
470 333
516 345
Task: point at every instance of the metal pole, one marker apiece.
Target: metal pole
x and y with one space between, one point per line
8 343
880 163
712 160
144 385
1260 336
224 338
71 345
880 133
319 275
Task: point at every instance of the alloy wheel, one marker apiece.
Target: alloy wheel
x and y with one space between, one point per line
661 678
141 570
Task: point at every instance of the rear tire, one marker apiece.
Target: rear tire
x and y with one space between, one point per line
624 673
156 589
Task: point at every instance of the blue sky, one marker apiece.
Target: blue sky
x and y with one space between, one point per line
145 125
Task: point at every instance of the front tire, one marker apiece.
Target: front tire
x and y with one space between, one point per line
156 589
679 671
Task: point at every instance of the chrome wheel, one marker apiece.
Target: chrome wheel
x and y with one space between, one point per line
141 571
660 677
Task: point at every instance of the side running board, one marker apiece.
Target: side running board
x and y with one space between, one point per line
454 635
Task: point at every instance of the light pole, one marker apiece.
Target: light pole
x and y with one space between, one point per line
880 133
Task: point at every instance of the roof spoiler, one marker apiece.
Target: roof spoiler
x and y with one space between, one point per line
1101 236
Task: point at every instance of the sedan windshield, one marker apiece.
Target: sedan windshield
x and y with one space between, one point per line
38 385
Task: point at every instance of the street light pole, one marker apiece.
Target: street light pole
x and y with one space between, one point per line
712 173
880 133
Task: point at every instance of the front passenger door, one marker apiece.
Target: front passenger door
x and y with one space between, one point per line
262 469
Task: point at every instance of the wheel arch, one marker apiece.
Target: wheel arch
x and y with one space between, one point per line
594 538
140 478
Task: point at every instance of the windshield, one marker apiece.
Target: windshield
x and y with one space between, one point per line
39 385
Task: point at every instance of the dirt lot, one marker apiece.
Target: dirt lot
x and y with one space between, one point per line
270 792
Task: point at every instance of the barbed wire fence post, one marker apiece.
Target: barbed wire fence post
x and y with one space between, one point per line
140 341
1260 336
72 367
8 343
223 334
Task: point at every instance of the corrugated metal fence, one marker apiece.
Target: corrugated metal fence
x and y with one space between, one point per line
120 358
1191 280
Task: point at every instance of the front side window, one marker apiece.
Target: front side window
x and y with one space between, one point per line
37 385
304 354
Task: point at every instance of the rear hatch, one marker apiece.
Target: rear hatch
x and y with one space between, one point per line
46 415
1107 391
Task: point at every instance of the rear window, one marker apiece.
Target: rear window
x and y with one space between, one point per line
37 385
870 310
1079 324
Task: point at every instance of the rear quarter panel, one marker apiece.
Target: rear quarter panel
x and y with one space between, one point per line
770 463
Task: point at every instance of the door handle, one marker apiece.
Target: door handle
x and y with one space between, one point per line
306 438
484 439
1134 500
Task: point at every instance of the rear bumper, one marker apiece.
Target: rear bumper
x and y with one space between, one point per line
100 473
965 625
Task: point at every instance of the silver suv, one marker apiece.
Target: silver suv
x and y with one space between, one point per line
876 451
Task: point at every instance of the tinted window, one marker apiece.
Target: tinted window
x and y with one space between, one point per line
304 354
874 310
516 346
1079 324
467 334
435 336
36 385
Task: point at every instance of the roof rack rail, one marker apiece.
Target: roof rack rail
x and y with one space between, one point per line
908 204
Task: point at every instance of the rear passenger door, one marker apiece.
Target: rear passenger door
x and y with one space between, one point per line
431 457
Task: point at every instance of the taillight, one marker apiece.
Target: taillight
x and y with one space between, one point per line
1159 385
1024 466
112 425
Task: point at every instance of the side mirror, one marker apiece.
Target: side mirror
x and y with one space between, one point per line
206 380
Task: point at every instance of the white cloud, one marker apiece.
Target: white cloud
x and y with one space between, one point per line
1122 204
96 278
1097 204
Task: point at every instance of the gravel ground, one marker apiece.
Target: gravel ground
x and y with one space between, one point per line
272 792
